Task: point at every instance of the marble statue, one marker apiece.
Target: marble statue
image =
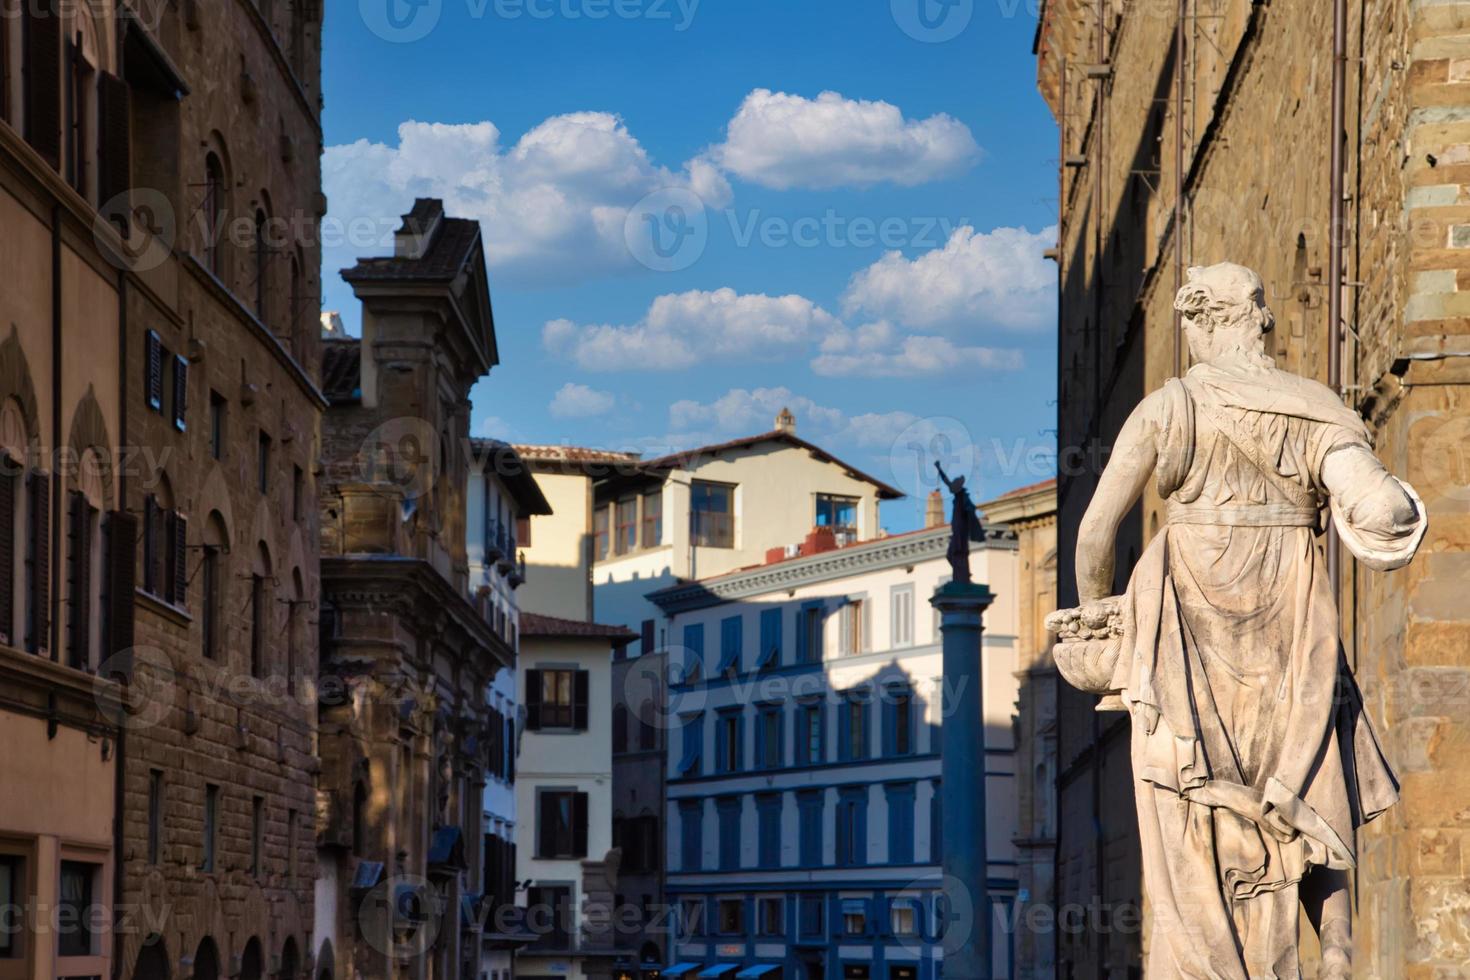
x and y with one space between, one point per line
1254 762
965 527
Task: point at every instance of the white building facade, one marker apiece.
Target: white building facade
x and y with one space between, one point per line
803 771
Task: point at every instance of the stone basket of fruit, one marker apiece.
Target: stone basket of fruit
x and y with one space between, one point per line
1089 644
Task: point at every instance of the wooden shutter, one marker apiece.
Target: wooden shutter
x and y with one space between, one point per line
150 545
39 507
7 552
114 140
579 825
121 563
580 700
533 700
181 392
179 543
42 52
79 582
153 370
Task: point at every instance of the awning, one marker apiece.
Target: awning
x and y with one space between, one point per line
718 970
759 970
678 969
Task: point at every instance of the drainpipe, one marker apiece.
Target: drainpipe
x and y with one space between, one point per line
1336 244
1179 182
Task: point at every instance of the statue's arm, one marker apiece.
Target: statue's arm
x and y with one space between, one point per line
1132 463
1378 516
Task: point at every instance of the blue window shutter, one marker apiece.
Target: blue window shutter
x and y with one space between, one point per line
731 640
691 834
770 651
769 830
890 725
936 824
729 811
694 651
900 823
690 764
810 816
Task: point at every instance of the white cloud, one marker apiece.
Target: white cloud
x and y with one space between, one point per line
744 412
553 206
683 329
788 141
874 351
574 401
991 278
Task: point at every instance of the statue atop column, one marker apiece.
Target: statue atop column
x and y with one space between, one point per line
1254 761
965 526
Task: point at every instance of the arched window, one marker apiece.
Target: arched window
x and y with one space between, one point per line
152 960
647 733
212 582
84 571
262 265
214 214
252 965
14 521
260 619
293 630
295 316
290 961
165 550
206 960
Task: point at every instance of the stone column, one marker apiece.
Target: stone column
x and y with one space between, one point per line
967 943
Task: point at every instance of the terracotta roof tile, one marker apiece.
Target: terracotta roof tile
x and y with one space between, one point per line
552 626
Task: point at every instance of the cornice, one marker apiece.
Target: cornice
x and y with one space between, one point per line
894 552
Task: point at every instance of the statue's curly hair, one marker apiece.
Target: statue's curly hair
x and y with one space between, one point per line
1238 301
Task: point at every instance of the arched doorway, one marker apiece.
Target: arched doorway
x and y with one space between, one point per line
325 962
252 963
206 961
152 960
290 961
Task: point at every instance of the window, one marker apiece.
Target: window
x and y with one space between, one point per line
180 386
165 552
810 812
648 637
936 824
82 574
809 731
263 462
900 822
211 826
840 514
771 916
855 627
903 917
13 889
728 808
691 916
551 915
809 634
693 733
627 516
898 721
853 742
557 699
769 746
298 493
901 616
811 918
712 513
523 532
769 654
620 728
854 917
852 826
214 213
693 652
217 432
653 519
257 625
732 639
768 830
155 814
647 732
262 266
731 914
729 733
691 835
38 562
600 533
257 834
209 620
561 824
75 910
291 816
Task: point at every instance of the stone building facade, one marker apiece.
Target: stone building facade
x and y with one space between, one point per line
153 334
1198 131
638 747
408 655
1031 514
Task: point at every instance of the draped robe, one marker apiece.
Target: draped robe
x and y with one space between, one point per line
1253 758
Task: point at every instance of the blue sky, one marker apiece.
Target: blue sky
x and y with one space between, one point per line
698 211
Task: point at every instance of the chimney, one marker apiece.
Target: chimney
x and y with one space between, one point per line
786 422
820 541
332 324
934 512
413 239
